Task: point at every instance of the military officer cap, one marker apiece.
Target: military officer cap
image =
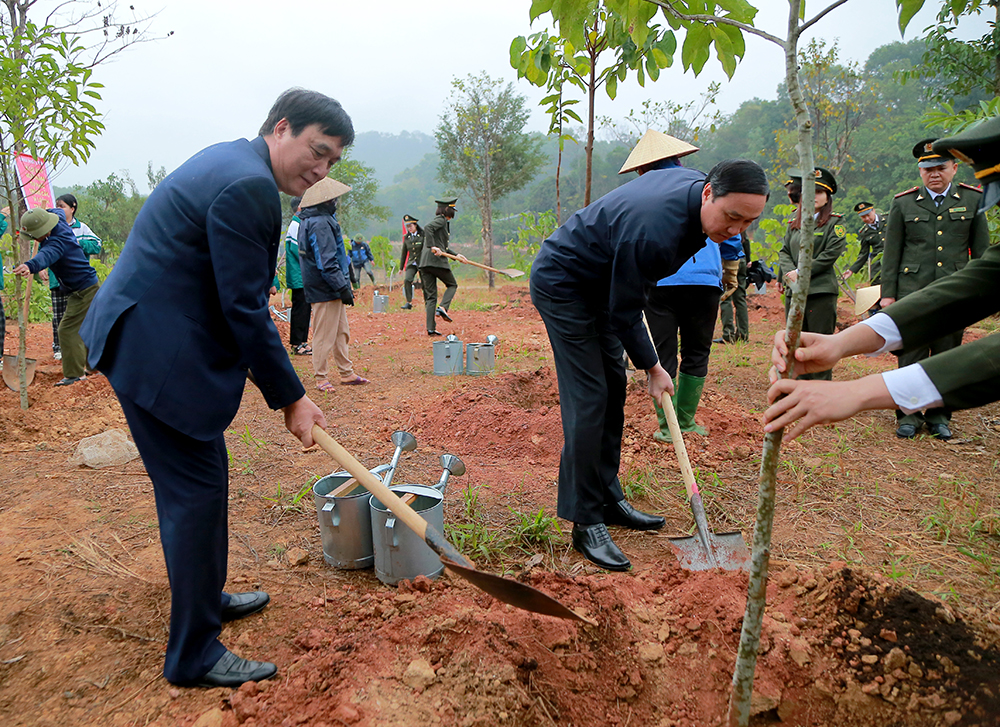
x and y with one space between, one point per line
450 202
979 147
863 208
407 219
824 179
927 156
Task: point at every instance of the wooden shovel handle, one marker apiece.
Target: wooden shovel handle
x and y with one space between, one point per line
390 499
470 262
678 440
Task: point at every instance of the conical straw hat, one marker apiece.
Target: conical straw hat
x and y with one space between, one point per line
654 146
865 298
325 189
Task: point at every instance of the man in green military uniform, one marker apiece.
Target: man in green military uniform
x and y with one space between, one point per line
872 239
409 257
933 231
434 266
960 378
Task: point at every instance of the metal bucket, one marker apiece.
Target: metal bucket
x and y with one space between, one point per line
480 358
380 303
345 525
448 355
399 553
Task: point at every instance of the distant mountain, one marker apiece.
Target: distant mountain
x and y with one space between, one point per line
389 154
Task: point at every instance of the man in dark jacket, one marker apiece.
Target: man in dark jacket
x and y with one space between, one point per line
362 259
588 283
59 249
179 325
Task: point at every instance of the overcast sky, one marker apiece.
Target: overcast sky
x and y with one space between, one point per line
390 63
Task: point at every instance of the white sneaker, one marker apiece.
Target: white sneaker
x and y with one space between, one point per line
57 355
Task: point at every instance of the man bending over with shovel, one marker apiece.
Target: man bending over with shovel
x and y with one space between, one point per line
180 324
588 284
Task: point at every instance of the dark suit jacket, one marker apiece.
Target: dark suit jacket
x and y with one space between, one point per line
967 376
184 313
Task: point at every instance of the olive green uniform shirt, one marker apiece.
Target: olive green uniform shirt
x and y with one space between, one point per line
872 241
437 232
413 245
829 244
969 375
924 242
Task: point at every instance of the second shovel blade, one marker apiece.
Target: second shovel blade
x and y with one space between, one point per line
515 593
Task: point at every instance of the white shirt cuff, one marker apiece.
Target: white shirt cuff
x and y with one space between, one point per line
911 388
884 326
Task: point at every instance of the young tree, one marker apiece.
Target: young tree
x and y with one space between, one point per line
574 56
483 146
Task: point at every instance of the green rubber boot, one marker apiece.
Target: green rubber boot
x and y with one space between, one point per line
663 433
688 395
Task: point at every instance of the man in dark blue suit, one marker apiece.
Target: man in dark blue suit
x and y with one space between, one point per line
180 324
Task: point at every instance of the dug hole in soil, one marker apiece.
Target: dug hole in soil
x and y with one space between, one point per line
83 623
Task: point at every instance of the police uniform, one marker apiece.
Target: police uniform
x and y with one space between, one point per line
872 243
588 284
433 267
927 241
409 258
829 243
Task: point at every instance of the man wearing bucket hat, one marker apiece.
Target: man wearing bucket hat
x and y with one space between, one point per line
362 259
58 249
434 266
409 257
960 378
933 231
589 284
180 324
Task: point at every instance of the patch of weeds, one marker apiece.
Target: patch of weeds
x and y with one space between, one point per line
533 531
277 550
469 532
289 500
639 482
249 439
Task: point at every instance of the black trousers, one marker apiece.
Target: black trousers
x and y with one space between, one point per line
820 317
429 278
299 319
937 415
591 377
690 311
191 486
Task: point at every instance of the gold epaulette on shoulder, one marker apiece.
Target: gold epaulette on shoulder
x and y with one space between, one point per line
969 186
834 214
909 191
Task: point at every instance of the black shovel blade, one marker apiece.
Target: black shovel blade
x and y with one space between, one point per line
516 594
731 553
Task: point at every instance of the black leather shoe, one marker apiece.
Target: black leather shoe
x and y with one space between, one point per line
232 671
719 340
442 313
623 514
433 333
595 544
941 431
906 431
406 306
244 604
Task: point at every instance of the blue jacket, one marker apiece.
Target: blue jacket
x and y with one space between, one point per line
61 251
183 315
607 253
324 257
361 253
705 268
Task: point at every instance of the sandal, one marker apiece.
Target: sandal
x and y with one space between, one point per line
324 385
356 381
303 349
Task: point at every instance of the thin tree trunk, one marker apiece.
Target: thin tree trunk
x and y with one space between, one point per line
746 657
591 91
487 210
559 165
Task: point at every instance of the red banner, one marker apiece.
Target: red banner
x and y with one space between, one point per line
34 179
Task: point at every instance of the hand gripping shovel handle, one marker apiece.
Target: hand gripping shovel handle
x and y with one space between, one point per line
697 508
510 273
387 497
